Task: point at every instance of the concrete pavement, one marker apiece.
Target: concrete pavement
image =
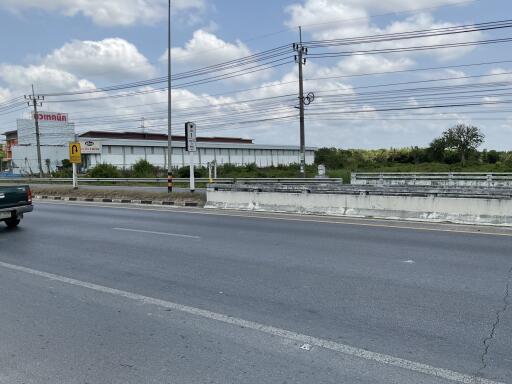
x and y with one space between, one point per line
426 296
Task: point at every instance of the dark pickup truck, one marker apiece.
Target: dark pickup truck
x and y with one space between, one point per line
14 202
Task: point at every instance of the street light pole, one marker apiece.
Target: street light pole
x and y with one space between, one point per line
169 99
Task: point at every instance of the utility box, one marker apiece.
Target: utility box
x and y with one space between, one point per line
321 171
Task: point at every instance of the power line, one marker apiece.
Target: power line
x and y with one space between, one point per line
279 83
413 34
409 49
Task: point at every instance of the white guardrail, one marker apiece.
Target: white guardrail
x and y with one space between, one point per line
86 180
434 179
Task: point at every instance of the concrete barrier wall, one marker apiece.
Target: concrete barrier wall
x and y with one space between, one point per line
431 208
456 179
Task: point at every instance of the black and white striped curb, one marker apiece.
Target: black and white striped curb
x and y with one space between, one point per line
120 201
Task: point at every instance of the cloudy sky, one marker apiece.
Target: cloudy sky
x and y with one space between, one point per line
361 101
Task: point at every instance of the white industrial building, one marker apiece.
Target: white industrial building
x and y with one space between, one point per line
124 149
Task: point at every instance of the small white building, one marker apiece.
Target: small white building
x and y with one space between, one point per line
125 149
55 134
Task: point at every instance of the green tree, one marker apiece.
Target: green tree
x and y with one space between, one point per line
437 149
464 139
493 156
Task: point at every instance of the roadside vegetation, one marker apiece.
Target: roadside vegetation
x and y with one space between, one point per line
456 150
66 191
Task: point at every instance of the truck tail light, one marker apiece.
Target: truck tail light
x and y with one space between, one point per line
29 195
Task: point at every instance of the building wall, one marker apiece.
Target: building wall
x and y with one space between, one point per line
10 142
125 153
25 158
55 137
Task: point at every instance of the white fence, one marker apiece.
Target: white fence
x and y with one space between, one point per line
455 179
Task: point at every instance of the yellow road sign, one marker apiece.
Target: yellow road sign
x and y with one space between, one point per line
75 153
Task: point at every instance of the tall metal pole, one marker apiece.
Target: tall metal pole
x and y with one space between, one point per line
38 141
300 60
169 99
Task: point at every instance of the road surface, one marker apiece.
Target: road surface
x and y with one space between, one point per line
91 294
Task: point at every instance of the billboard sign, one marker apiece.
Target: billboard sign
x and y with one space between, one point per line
75 156
51 116
90 147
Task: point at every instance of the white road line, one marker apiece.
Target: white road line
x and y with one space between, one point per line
305 219
274 331
156 233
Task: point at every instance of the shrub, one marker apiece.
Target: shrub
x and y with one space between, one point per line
184 172
65 170
507 159
104 171
493 157
143 168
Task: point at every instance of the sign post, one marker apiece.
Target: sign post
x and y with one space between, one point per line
191 147
75 157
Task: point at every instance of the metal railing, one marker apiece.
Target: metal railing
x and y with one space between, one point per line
433 178
117 180
371 190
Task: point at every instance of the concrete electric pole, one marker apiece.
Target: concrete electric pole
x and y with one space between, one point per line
169 99
142 127
35 101
301 60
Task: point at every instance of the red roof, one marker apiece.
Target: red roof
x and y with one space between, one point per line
160 137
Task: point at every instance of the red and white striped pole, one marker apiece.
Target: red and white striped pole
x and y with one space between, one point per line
169 182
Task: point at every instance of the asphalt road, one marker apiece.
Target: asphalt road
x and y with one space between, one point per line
114 295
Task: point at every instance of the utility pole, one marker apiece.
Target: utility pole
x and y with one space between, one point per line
169 99
36 101
142 127
301 60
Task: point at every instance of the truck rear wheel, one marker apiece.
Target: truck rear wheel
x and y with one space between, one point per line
12 223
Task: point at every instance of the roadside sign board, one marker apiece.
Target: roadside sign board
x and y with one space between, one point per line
190 135
75 154
90 147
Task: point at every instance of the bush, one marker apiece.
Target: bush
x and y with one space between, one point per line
65 170
493 157
507 159
184 172
104 171
143 168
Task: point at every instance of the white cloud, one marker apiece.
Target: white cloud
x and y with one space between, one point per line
501 74
109 12
112 58
357 65
19 79
5 94
321 15
319 18
205 49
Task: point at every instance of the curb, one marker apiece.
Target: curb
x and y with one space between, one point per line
119 201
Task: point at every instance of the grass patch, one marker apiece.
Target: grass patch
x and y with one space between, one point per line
177 197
